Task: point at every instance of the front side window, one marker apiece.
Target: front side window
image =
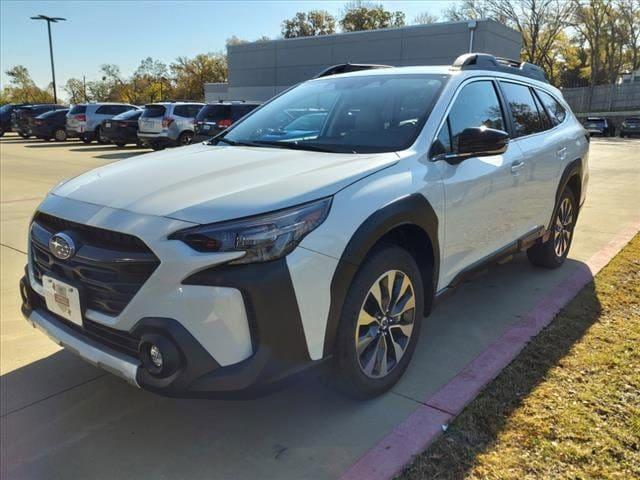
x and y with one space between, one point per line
357 114
526 117
476 105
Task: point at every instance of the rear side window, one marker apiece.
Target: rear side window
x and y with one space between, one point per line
476 105
153 111
105 110
188 111
128 115
78 109
526 117
555 110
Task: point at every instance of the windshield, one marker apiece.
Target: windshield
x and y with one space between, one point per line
6 108
594 124
361 114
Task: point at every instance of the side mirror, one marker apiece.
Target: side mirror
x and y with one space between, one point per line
482 141
475 142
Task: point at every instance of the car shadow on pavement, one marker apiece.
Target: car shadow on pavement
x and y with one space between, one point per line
121 156
107 148
50 145
480 425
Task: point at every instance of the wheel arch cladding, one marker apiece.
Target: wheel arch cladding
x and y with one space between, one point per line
572 177
410 222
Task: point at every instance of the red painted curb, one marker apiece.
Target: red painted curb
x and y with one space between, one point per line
424 425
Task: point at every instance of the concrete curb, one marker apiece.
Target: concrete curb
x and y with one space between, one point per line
425 424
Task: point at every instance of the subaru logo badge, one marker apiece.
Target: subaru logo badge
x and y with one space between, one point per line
62 246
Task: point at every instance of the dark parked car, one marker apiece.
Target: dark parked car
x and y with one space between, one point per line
50 125
217 117
630 127
21 115
5 116
600 126
122 129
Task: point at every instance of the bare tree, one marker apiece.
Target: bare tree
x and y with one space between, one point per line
425 18
630 19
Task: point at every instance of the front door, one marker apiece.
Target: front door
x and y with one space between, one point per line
481 193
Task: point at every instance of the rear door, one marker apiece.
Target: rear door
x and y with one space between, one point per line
543 149
151 119
481 193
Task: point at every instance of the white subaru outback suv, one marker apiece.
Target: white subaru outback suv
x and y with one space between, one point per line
227 266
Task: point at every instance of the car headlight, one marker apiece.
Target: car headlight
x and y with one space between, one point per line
263 237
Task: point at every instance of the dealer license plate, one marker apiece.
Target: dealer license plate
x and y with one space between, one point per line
62 299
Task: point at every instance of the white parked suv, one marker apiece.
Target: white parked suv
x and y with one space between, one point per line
228 266
168 124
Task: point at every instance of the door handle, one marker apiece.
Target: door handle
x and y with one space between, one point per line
517 166
561 151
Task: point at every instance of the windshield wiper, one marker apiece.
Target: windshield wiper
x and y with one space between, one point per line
294 146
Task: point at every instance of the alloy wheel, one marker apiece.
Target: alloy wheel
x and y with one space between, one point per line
385 324
563 227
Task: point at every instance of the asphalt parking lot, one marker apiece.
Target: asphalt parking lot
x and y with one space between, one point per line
62 418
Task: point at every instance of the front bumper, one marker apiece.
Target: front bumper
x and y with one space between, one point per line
238 331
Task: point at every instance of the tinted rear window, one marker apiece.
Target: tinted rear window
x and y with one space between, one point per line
632 120
78 109
152 111
129 115
214 113
54 113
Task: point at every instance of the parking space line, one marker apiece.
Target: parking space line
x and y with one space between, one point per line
427 422
13 248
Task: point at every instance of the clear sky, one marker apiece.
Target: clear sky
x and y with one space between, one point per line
123 32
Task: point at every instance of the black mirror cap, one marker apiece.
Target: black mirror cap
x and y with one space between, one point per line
482 141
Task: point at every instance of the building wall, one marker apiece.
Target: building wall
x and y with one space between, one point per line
258 71
606 98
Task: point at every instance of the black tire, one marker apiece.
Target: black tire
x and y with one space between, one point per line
550 254
25 135
86 139
1 132
347 374
157 146
60 135
120 144
45 139
621 135
99 137
185 138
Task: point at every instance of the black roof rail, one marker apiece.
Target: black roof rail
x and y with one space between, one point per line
348 67
486 61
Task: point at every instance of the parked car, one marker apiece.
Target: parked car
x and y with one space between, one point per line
168 124
214 118
50 125
122 129
230 265
5 116
600 126
630 127
84 120
20 117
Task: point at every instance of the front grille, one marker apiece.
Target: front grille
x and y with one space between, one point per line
108 268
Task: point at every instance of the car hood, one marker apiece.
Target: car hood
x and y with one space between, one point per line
204 183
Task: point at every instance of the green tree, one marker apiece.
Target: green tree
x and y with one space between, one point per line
361 15
22 88
315 22
190 74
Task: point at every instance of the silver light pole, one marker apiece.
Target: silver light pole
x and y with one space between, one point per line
49 20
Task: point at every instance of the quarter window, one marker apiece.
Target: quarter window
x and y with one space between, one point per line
556 111
526 117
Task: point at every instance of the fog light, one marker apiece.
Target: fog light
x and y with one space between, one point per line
156 356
